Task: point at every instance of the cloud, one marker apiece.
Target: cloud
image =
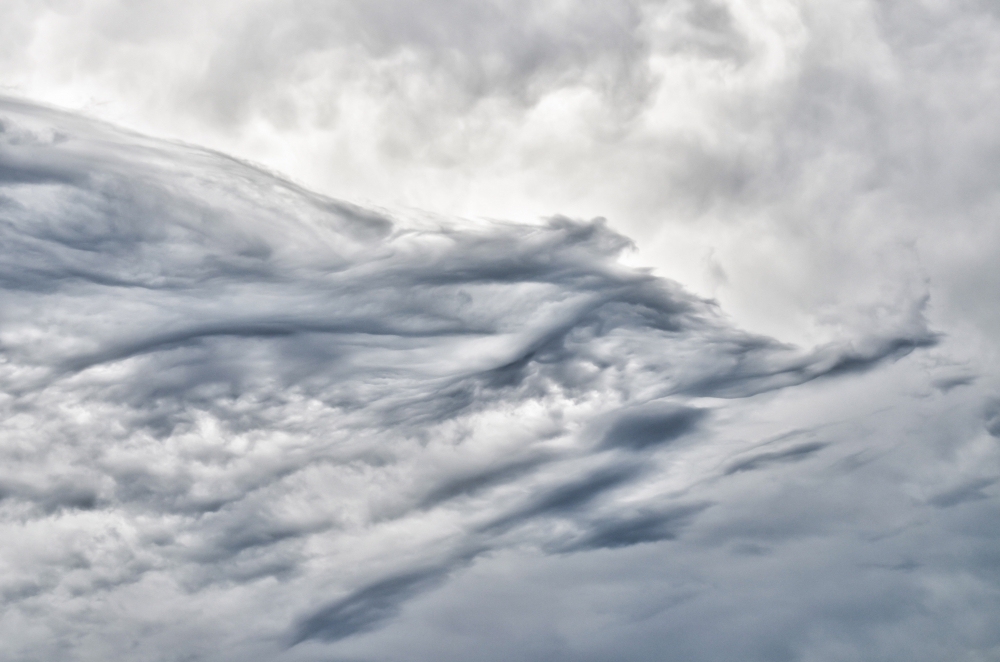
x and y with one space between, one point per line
239 414
363 609
634 529
789 455
650 426
803 165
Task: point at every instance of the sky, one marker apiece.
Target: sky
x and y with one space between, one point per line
452 330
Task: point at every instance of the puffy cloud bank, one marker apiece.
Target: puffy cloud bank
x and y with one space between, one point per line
244 421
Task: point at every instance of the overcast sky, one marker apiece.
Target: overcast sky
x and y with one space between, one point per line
474 330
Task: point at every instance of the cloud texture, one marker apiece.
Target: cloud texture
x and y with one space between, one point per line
803 163
246 421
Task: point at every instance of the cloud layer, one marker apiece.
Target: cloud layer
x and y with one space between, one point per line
246 421
243 420
802 163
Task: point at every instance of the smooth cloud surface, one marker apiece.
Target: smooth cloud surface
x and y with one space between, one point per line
246 421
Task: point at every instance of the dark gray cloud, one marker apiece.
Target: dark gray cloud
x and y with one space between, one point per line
650 426
365 608
788 455
239 416
635 528
566 498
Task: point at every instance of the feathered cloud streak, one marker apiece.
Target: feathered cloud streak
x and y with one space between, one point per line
245 421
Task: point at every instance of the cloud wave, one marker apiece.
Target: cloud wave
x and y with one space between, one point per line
229 400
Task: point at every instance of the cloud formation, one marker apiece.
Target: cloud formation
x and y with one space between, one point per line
803 164
246 421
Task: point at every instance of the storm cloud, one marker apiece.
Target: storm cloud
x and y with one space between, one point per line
243 419
218 384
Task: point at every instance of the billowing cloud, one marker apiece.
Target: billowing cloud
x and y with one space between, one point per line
803 164
246 421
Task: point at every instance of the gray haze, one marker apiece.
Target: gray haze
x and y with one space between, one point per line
723 385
